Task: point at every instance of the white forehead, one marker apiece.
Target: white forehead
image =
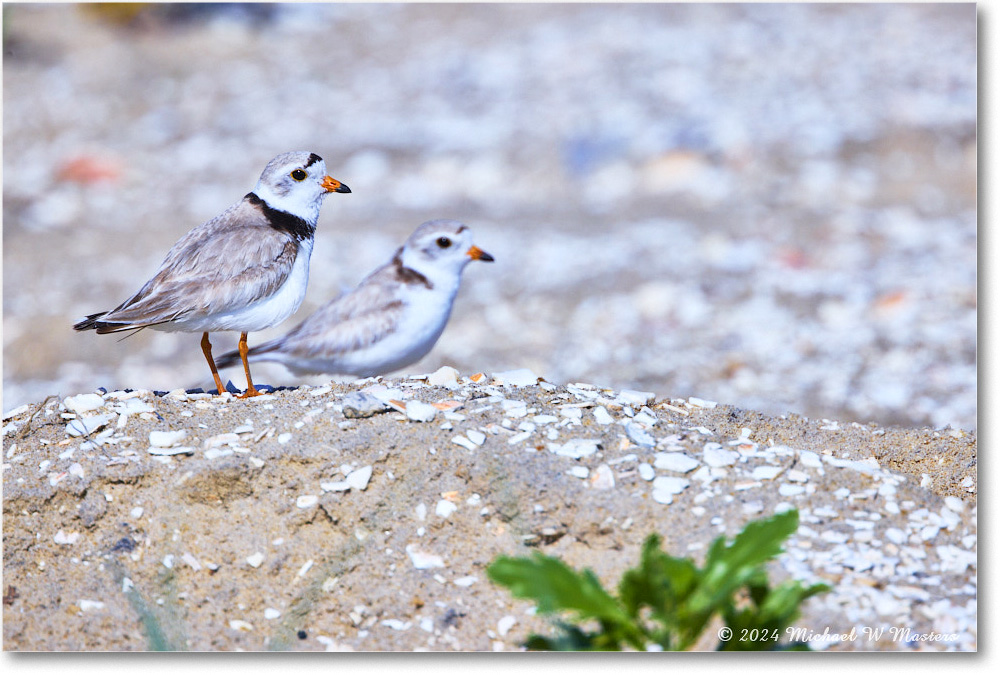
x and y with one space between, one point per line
441 227
288 161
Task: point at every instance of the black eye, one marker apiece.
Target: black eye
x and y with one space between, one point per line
298 174
444 242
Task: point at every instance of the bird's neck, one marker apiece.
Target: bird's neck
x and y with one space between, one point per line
299 227
442 279
305 207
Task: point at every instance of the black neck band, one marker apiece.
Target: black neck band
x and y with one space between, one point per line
282 220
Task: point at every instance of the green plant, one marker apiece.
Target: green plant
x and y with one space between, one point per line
667 602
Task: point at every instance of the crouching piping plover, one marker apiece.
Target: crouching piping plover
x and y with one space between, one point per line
390 320
244 270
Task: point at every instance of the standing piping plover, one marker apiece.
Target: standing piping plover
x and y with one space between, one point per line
393 317
244 270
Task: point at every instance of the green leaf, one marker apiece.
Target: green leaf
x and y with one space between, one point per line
555 587
729 567
662 583
570 639
680 597
781 606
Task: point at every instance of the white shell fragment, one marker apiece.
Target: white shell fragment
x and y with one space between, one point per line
675 461
645 418
572 413
517 438
66 539
445 376
639 436
602 416
866 466
256 559
603 478
220 440
133 406
444 508
361 404
670 484
358 479
306 501
765 472
514 409
85 426
464 442
418 411
166 439
355 480
19 410
83 403
422 560
954 503
215 453
522 377
636 398
505 624
396 624
716 455
335 486
665 487
575 448
701 403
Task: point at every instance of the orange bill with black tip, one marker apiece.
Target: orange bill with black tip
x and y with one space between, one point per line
334 185
477 253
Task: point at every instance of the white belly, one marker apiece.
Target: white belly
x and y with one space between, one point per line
264 313
390 354
411 340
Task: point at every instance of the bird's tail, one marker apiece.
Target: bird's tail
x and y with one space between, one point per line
93 322
90 322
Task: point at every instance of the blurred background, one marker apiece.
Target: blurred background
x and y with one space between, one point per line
771 206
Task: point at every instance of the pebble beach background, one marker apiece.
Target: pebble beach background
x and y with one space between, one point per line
769 206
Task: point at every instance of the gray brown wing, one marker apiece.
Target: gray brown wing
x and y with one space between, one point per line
353 321
225 264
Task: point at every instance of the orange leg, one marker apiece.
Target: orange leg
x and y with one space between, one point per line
251 390
206 348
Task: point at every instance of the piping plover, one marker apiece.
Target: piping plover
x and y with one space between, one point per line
393 317
244 270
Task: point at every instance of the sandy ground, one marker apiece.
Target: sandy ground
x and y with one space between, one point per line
241 534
